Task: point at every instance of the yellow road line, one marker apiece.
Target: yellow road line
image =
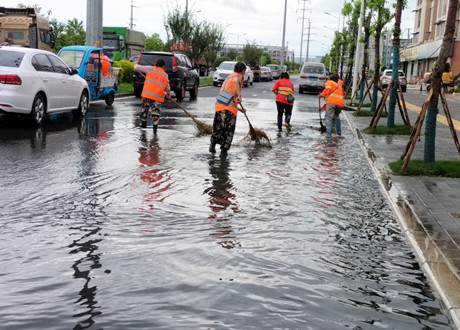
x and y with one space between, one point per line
440 118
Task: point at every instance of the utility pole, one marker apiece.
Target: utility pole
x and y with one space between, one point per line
303 29
284 33
94 22
131 25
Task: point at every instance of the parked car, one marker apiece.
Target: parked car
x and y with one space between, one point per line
276 70
250 76
182 76
265 73
36 82
227 67
385 79
313 75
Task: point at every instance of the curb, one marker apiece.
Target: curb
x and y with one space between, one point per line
430 256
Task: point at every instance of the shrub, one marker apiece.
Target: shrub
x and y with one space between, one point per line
126 72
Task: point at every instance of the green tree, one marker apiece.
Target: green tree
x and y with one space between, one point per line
154 42
68 34
207 38
232 54
252 51
383 17
196 39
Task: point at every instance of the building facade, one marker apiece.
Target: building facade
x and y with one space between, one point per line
429 28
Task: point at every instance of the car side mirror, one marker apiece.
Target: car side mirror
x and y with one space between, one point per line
73 71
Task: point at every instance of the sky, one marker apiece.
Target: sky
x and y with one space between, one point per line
253 21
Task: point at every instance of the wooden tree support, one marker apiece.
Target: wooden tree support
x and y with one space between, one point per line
401 105
419 123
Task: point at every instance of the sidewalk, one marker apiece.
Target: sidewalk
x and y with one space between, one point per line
428 209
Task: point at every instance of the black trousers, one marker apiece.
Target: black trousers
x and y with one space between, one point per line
285 109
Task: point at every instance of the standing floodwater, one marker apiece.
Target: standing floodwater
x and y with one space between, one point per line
106 226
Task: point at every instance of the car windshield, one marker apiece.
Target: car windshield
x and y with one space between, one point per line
11 59
72 58
227 66
313 69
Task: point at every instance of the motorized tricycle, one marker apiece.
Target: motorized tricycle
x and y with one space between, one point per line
95 68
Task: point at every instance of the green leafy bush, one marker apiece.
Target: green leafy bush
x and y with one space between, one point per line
126 72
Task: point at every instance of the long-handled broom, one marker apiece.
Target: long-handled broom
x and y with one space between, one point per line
256 135
322 128
203 128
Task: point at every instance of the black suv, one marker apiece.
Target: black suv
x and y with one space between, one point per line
182 76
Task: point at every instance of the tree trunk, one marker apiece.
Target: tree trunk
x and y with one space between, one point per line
436 83
375 81
394 85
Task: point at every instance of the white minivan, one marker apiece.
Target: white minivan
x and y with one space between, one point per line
313 75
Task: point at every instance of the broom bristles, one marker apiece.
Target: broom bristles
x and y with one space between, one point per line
257 135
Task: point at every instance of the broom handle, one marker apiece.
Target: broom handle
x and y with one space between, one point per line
319 108
245 114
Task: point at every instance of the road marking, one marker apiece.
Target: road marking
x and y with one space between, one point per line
440 118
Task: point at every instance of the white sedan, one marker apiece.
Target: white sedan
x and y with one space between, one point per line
35 82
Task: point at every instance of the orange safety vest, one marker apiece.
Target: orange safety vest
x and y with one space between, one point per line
284 87
155 84
333 93
228 86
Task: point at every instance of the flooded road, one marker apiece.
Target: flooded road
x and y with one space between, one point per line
106 226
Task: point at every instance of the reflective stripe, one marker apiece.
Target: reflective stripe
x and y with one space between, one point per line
155 84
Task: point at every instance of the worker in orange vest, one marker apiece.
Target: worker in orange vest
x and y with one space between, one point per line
225 114
156 87
333 95
284 90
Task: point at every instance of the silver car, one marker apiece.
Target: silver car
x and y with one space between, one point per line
313 75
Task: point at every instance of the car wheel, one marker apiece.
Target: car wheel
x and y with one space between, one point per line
215 84
194 91
38 109
83 105
300 90
137 91
180 93
252 82
109 98
246 83
404 88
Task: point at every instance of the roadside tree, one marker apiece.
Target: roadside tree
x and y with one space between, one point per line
154 42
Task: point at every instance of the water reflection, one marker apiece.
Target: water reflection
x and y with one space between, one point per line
327 156
88 225
221 198
156 178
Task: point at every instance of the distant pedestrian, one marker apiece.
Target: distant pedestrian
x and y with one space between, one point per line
225 113
284 91
156 86
333 95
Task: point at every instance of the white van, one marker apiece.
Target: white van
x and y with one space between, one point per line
313 75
